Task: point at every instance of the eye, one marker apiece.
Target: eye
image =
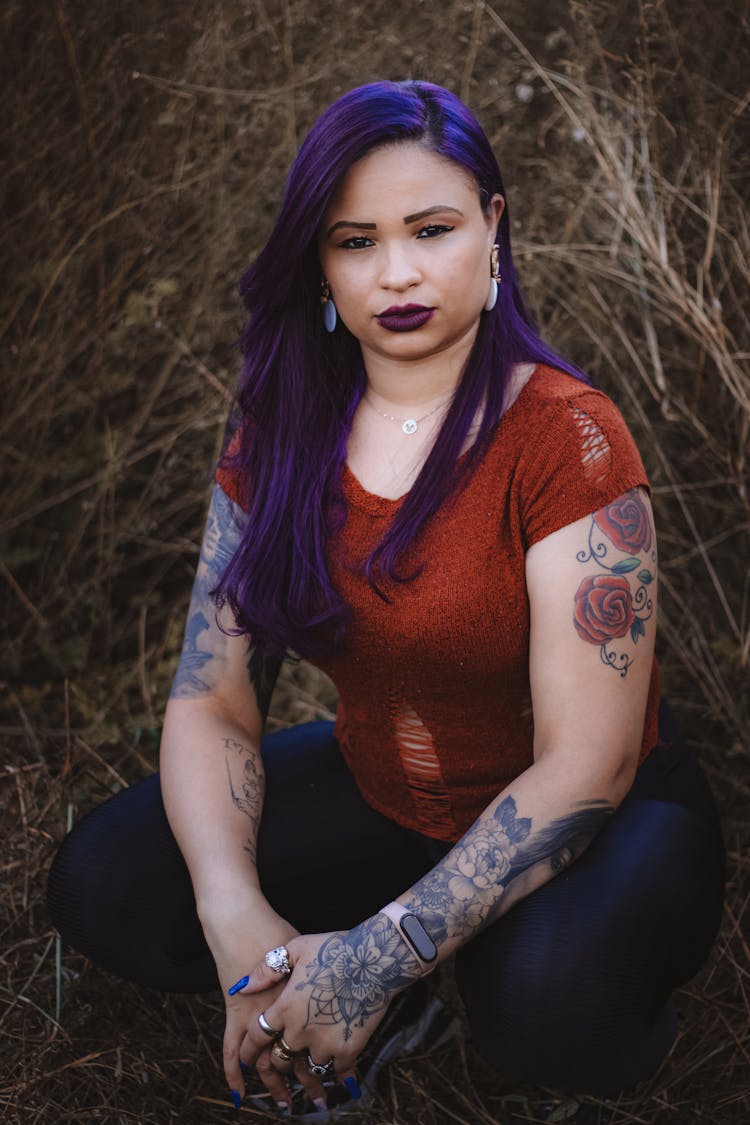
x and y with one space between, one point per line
433 230
356 242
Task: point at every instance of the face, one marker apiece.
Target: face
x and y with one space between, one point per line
405 246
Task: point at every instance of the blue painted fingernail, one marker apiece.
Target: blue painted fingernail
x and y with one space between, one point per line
320 1103
352 1086
245 1068
236 987
283 1108
236 1099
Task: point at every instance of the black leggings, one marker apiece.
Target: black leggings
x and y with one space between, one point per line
570 989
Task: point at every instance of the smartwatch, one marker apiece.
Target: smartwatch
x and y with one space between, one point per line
412 931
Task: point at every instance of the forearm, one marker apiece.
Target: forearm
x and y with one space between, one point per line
528 834
211 769
212 785
531 832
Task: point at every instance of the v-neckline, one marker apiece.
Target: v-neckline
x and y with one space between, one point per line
377 505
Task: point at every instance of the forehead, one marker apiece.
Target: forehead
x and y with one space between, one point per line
405 177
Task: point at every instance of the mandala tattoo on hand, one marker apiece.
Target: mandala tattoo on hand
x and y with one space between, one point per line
355 975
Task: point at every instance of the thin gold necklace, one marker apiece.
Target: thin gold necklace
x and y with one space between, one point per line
408 425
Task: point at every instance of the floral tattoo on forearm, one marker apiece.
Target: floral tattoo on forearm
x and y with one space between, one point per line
355 974
467 889
605 607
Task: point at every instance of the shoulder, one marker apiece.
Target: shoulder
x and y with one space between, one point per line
551 391
575 452
573 423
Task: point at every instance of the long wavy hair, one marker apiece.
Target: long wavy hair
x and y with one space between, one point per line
300 385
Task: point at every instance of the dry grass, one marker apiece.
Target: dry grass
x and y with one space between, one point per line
145 146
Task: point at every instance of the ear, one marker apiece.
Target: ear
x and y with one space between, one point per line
493 214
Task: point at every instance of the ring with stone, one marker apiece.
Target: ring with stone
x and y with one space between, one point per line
278 960
265 1026
320 1070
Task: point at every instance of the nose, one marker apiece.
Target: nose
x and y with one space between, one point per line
398 269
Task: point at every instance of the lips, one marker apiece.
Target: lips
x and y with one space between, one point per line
404 318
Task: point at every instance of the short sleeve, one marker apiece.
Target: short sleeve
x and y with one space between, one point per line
229 475
581 458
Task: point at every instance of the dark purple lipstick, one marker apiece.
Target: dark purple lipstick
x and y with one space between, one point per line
404 318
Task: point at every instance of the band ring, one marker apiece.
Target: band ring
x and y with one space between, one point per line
265 1026
283 1051
278 960
320 1070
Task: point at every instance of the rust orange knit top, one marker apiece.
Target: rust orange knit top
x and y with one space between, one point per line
435 717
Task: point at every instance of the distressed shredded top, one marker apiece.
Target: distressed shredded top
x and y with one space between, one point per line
435 715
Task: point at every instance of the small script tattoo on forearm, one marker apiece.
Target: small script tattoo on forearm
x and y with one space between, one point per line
246 786
606 609
355 975
465 891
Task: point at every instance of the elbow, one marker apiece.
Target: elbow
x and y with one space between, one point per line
621 779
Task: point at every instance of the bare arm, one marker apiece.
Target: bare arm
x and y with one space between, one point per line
212 774
592 635
593 606
213 782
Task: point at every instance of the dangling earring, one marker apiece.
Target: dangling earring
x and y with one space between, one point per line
495 278
329 308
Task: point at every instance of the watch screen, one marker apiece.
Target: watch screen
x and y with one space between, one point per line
418 938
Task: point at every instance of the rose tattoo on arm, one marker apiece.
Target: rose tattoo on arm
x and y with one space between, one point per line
605 607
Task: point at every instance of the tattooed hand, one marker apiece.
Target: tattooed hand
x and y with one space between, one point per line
338 992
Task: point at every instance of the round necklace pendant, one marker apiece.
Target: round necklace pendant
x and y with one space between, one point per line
409 426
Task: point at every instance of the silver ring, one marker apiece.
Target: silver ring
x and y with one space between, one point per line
278 960
321 1070
265 1026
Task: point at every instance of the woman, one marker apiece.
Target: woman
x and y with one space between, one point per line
427 502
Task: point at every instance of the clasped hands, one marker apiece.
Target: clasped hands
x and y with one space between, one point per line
333 999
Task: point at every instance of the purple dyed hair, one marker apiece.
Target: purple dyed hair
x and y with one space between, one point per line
300 386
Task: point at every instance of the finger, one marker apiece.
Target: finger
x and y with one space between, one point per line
311 1083
260 977
254 1042
348 1079
273 1080
284 1054
232 1069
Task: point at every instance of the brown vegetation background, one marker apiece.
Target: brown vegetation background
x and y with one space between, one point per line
145 145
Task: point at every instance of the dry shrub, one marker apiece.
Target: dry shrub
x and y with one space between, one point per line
145 148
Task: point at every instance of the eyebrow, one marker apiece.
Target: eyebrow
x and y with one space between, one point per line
437 209
348 223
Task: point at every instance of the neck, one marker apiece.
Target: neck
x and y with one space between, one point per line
417 383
